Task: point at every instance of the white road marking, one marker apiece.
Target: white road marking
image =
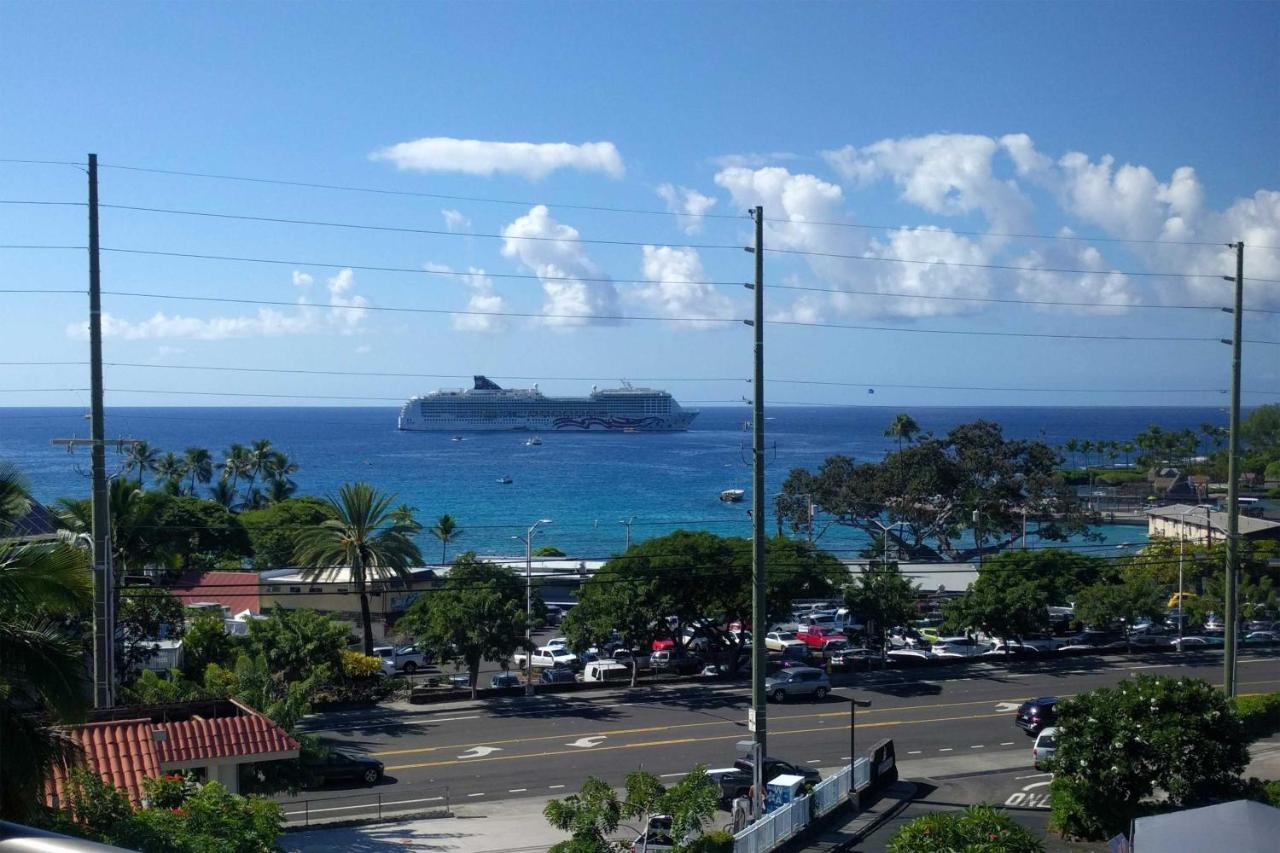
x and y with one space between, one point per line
1032 776
844 758
813 761
553 787
587 742
914 752
516 790
669 775
475 795
976 746
480 751
442 719
1006 707
946 749
1008 743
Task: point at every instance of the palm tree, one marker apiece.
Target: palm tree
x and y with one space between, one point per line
129 542
280 489
1072 446
277 468
1128 448
222 492
235 461
362 538
903 427
143 457
170 470
1086 447
199 465
42 674
446 529
258 459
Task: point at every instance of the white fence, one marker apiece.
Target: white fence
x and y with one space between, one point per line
781 825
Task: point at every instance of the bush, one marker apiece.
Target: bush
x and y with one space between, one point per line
357 665
977 829
1263 791
1260 715
715 841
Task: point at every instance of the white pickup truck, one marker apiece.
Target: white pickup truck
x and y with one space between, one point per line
407 659
546 657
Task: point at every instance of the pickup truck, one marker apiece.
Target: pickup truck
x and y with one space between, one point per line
546 657
407 659
816 637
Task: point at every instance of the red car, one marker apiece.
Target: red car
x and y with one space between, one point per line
816 638
666 643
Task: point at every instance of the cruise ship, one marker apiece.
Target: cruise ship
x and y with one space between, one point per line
489 407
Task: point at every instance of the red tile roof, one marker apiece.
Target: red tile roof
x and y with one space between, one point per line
124 752
237 591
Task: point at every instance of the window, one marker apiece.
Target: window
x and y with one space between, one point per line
273 589
315 589
295 589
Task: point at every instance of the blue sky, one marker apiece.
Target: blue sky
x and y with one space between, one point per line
1117 121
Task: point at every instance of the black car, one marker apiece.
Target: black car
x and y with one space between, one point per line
504 680
342 765
1037 714
733 781
775 767
557 675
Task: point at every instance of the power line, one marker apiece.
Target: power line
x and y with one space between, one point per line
998 334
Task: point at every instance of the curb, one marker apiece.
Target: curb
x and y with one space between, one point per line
881 819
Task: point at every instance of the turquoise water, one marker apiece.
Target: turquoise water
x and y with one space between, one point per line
586 483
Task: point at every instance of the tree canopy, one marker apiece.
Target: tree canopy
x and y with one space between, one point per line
977 829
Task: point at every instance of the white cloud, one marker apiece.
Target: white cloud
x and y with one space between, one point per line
266 322
533 160
302 279
564 267
679 288
1104 289
483 299
690 204
751 161
455 220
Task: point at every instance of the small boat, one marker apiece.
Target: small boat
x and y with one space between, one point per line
732 496
629 429
506 481
533 442
458 438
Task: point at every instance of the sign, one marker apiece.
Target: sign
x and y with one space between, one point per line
751 719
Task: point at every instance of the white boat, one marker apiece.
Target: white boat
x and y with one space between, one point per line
732 496
488 407
533 442
458 438
506 481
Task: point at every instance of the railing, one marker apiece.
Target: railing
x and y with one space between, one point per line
783 824
831 792
861 774
365 806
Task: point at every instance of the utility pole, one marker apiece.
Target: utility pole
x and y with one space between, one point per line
1233 486
759 656
627 522
103 582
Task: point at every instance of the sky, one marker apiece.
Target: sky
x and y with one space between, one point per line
571 183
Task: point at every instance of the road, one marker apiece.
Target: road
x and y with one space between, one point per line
943 723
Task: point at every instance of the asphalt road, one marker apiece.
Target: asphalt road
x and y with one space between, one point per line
943 724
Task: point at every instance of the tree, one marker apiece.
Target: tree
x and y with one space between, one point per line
273 530
589 816
477 614
1072 446
299 642
615 601
189 532
222 493
595 812
548 551
1002 604
363 539
144 614
903 428
235 463
445 530
930 489
257 461
169 470
199 466
206 641
882 598
977 829
141 457
1124 602
131 523
1117 746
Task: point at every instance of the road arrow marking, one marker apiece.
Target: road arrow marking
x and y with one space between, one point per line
1035 785
480 751
1006 707
587 742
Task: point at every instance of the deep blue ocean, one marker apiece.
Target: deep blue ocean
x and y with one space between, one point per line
587 483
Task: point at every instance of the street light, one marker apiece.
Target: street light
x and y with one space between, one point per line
627 522
884 529
528 603
854 705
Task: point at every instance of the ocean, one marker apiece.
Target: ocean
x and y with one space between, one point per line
586 483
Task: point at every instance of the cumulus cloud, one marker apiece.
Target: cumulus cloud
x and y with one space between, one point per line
573 285
266 322
751 161
533 160
455 220
679 288
302 279
690 204
483 299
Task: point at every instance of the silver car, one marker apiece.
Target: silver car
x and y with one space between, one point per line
1045 747
798 681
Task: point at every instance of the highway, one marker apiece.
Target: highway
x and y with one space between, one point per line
942 721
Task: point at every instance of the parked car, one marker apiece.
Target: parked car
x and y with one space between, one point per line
406 659
798 681
505 679
856 658
1261 638
546 657
1092 641
670 660
1011 649
958 647
643 662
1041 642
834 646
1198 642
908 657
663 643
555 614
780 641
775 767
1037 714
815 637
557 675
1045 747
733 782
460 679
342 765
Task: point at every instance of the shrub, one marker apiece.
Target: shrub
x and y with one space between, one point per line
715 841
976 829
1260 715
357 665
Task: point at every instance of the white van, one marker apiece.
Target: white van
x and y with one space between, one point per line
606 670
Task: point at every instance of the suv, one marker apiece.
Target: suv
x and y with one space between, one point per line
797 681
406 659
557 675
1035 715
341 765
775 767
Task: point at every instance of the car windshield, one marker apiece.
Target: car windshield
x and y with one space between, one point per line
786 635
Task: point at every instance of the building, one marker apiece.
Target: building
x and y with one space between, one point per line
1204 525
211 739
333 593
1241 826
235 592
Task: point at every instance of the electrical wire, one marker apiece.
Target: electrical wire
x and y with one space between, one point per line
998 334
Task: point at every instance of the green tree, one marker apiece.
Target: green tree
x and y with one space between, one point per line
190 532
1117 746
445 530
298 643
882 598
144 614
199 466
1072 446
977 829
477 614
903 428
223 493
141 457
206 641
151 688
254 682
596 812
548 551
234 465
1121 603
363 539
589 816
273 530
169 470
278 469
258 458
616 600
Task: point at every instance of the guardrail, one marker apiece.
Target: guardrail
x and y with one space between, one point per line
782 824
372 805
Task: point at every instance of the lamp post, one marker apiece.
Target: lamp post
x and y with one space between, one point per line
627 522
977 535
884 529
528 604
854 705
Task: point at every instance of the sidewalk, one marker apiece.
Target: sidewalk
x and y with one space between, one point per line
842 835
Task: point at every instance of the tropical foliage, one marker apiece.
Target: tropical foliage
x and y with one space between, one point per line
977 829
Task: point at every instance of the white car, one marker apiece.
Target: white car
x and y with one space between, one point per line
1045 747
958 647
780 641
406 659
547 657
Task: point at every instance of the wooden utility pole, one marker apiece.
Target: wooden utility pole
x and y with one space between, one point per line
1233 488
759 618
103 581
